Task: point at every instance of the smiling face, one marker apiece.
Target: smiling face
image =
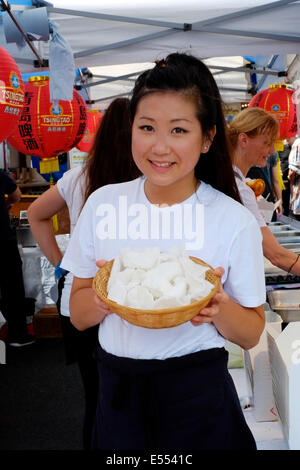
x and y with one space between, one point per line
167 141
258 149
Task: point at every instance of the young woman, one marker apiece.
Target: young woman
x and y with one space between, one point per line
252 134
110 162
170 388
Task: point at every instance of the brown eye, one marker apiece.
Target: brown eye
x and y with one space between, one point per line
146 128
178 130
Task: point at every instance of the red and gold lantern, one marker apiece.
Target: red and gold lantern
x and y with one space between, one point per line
93 123
11 94
277 100
43 130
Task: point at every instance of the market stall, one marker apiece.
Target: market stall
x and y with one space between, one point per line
113 36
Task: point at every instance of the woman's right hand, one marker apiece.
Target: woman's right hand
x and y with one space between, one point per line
207 314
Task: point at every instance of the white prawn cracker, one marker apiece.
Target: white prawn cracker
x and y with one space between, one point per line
146 278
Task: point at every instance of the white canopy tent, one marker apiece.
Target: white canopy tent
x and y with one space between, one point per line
125 35
108 33
233 85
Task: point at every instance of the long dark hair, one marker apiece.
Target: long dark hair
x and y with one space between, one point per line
110 159
188 75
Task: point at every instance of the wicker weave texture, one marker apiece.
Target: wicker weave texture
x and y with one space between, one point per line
162 318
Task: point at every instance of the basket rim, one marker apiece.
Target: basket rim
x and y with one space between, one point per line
161 311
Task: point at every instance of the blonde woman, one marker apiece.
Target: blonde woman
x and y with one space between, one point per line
252 134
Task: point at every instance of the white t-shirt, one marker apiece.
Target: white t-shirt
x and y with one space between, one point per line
248 197
294 157
212 226
71 187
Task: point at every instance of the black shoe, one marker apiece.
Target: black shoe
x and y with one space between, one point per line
24 341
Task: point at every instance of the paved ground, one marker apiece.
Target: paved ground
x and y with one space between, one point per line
268 435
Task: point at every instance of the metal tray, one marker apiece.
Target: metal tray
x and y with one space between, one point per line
287 234
292 236
292 246
286 303
287 241
280 228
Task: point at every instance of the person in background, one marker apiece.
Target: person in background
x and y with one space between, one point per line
269 174
252 134
170 388
12 291
109 162
284 163
294 178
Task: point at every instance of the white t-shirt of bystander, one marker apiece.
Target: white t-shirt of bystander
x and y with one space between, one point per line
71 187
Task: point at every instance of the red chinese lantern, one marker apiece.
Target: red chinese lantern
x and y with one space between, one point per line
43 130
93 122
277 100
11 94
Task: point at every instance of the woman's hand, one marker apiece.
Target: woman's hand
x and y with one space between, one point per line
208 313
279 208
101 263
292 176
103 308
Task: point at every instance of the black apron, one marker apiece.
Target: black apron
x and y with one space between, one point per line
180 403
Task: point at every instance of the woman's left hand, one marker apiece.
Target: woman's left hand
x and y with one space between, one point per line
279 209
208 313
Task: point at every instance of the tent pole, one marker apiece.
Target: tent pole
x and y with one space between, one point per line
8 10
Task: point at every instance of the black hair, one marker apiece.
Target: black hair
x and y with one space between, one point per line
188 75
110 160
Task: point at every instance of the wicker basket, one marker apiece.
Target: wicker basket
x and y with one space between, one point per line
160 318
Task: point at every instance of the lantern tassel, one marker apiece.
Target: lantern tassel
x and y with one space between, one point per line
281 183
55 223
54 217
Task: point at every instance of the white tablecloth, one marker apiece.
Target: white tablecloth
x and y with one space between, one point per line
38 274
